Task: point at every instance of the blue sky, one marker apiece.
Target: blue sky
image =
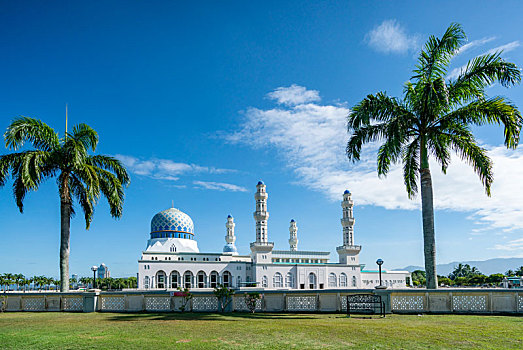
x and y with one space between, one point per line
201 100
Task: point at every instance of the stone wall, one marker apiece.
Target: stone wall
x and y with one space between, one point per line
455 300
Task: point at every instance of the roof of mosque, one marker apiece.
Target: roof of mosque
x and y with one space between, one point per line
172 220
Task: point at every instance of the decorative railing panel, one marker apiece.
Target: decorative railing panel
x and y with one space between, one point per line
469 303
113 303
34 304
205 304
240 305
73 303
520 303
157 303
302 303
406 302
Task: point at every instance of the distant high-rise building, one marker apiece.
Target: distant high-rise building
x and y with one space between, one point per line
103 271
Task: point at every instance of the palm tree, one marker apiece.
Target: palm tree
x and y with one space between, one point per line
435 118
80 176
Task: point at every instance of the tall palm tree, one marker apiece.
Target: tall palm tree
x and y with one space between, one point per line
434 118
79 175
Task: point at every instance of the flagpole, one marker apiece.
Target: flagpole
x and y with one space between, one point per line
66 120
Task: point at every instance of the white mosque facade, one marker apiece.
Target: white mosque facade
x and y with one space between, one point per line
172 259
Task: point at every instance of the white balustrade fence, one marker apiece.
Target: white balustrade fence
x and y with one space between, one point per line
448 300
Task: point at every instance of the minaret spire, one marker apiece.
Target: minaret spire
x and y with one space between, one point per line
229 237
293 233
348 252
261 214
347 221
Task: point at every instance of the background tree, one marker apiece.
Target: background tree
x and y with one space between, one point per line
435 118
519 271
224 295
80 176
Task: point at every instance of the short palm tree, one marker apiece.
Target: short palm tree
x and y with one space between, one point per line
80 176
434 118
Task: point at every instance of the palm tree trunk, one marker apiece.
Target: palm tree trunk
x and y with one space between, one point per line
65 231
429 241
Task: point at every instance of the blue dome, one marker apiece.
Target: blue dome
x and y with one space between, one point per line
260 183
292 220
229 216
346 192
230 248
172 220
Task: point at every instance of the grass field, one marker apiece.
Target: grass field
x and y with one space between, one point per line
259 331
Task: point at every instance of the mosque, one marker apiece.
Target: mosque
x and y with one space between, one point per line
172 259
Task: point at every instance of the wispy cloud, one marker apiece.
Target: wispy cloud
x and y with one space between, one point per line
475 43
391 37
514 245
293 95
312 138
165 169
219 186
505 48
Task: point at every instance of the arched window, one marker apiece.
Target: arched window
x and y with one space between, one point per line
277 280
160 280
312 281
175 280
146 282
227 279
173 248
188 279
214 277
354 282
343 280
201 279
289 280
332 280
265 282
239 281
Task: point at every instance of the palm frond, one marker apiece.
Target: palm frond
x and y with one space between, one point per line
436 54
85 135
112 164
411 167
23 129
495 110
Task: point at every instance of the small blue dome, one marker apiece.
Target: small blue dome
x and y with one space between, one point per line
346 192
292 220
229 216
260 182
230 248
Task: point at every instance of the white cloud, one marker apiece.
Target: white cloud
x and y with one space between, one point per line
475 43
390 37
293 95
505 48
514 245
312 139
219 186
165 169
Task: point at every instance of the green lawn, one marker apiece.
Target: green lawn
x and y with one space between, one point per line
259 331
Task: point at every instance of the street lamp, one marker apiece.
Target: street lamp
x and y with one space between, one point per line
94 268
381 286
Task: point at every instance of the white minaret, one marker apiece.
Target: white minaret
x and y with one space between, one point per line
293 236
348 252
261 249
229 237
347 221
261 214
